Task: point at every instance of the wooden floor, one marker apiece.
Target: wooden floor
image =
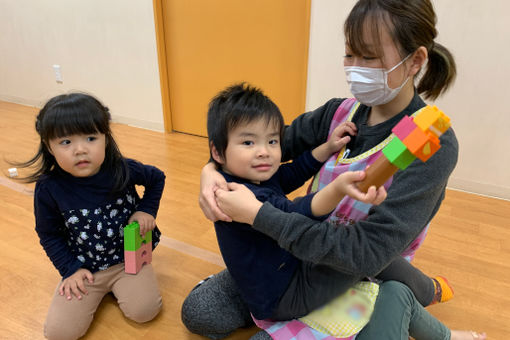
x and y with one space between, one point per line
469 243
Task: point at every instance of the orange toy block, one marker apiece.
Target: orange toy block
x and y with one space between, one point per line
432 119
421 144
378 173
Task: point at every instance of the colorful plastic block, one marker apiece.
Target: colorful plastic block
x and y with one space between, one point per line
397 153
134 260
422 145
404 127
377 174
137 249
132 238
432 119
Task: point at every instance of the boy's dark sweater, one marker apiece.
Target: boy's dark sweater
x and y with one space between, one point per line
261 269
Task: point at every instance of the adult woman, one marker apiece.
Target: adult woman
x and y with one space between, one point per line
387 43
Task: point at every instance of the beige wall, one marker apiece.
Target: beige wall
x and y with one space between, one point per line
478 34
107 48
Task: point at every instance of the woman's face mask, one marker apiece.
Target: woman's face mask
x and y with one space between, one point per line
370 85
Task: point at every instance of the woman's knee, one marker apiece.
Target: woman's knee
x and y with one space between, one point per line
214 308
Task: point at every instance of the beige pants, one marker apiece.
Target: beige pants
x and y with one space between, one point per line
138 297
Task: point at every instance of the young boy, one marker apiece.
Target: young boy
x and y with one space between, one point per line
245 129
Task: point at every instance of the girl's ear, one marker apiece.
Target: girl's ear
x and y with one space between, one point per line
215 155
47 146
418 59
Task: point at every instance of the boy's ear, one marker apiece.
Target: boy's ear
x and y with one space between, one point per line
215 155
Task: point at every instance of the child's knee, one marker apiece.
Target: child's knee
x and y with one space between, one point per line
54 330
142 310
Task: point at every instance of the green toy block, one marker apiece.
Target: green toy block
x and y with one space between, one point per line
398 154
132 238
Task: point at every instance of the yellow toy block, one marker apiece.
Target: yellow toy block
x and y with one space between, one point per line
432 119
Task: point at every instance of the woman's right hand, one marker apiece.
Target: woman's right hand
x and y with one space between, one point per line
210 181
74 284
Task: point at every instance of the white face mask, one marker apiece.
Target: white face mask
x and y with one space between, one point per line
370 85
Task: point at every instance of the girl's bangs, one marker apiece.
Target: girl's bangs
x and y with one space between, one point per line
76 120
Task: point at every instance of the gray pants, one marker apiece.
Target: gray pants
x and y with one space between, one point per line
215 309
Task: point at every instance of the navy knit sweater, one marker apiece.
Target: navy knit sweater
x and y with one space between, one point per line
260 267
81 224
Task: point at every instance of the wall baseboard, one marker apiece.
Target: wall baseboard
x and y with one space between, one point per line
139 123
21 101
477 188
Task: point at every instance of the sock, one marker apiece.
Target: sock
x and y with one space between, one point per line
442 290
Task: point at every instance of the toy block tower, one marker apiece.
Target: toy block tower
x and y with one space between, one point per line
416 137
137 249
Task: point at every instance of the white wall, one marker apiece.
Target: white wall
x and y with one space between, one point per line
478 34
107 48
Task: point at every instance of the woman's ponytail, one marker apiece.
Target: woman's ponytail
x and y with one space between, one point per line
440 72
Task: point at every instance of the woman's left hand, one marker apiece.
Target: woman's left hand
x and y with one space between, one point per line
238 202
146 221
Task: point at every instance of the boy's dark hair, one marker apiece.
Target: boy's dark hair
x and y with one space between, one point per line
69 114
239 104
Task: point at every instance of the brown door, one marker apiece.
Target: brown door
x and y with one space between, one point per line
211 44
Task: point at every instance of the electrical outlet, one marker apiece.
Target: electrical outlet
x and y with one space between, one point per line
58 74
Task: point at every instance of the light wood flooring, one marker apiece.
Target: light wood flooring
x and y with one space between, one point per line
469 243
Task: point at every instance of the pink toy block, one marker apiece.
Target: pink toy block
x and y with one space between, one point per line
134 260
404 127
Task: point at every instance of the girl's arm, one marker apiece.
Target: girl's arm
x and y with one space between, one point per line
367 246
51 231
153 180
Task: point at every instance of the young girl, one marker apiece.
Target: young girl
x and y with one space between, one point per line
84 197
387 44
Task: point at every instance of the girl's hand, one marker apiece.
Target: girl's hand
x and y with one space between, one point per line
341 136
146 221
347 183
210 181
238 202
74 284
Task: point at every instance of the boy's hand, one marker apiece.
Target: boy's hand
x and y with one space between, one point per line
347 183
210 181
341 136
238 202
146 221
73 285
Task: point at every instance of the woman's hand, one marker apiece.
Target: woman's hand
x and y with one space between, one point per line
210 181
146 221
238 202
74 284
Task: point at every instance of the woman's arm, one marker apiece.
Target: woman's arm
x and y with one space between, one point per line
365 247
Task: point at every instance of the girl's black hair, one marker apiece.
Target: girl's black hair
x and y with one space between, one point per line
239 104
411 24
69 114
